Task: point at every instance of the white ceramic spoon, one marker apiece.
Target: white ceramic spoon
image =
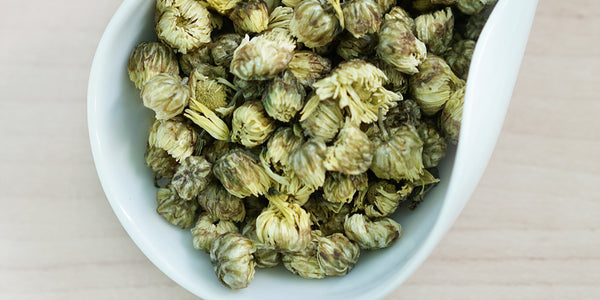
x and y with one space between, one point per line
118 125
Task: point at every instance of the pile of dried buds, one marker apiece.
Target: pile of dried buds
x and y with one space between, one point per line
290 132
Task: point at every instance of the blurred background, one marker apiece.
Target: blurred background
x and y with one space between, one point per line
530 231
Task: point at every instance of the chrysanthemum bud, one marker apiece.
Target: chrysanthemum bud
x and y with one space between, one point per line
231 255
250 16
185 26
308 67
221 204
241 174
452 115
166 95
400 156
208 228
351 47
177 211
324 121
149 59
264 256
472 7
221 50
315 23
191 60
336 254
263 56
436 30
370 234
459 57
192 177
399 47
357 85
283 226
174 136
361 17
307 162
434 84
284 97
251 126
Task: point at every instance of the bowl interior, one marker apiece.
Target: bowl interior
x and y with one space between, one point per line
118 132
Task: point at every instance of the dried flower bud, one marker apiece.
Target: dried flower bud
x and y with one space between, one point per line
250 124
452 115
212 72
250 16
361 17
241 174
315 23
324 121
305 263
308 67
280 18
291 3
221 50
400 157
191 177
351 47
192 60
336 254
166 95
351 151
434 145
425 5
177 211
174 136
459 57
263 56
231 255
358 85
149 59
434 84
283 226
264 256
399 47
215 150
335 221
385 5
421 187
160 161
383 198
396 81
207 119
307 162
208 228
476 22
185 26
372 234
407 112
251 89
436 30
340 188
221 204
208 91
397 14
283 142
472 7
223 6
284 97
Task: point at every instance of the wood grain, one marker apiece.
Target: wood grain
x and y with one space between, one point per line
530 231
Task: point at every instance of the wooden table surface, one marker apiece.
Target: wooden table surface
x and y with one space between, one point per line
530 231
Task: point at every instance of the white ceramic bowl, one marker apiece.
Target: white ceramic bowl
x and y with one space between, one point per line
118 124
